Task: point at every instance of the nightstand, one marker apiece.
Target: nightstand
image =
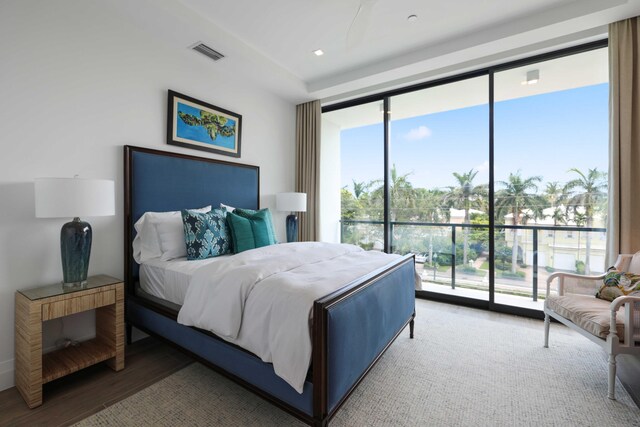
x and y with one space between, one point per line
33 306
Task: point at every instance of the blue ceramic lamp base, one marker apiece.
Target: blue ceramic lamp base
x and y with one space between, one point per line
75 248
292 228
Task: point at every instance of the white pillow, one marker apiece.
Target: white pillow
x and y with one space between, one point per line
160 235
146 245
227 207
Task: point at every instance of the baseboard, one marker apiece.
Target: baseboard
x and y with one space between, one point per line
7 377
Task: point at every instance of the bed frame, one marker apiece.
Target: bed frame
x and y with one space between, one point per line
352 327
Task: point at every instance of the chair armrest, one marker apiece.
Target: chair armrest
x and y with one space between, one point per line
631 318
618 302
561 276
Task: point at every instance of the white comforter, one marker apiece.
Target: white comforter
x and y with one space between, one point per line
262 299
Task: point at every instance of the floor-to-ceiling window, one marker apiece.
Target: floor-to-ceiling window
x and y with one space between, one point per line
550 170
438 186
359 136
493 179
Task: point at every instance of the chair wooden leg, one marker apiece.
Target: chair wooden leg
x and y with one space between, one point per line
547 322
612 377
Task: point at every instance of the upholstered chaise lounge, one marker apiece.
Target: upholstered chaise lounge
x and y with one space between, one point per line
593 317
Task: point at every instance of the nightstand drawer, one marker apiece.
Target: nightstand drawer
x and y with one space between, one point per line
57 309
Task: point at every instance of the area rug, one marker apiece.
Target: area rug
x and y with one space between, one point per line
465 367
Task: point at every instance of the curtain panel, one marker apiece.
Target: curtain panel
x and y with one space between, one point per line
623 228
308 121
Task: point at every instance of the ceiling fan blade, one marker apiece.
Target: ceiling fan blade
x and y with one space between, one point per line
360 23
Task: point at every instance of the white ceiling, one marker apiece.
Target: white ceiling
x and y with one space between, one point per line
271 42
289 30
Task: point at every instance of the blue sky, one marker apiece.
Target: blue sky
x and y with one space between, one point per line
541 135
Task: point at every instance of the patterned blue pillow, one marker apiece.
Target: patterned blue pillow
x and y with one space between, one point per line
206 234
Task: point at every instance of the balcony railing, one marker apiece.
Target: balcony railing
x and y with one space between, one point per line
439 245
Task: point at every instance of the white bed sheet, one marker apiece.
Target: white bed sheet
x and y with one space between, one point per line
262 299
169 280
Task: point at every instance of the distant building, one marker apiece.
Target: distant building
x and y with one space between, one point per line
560 249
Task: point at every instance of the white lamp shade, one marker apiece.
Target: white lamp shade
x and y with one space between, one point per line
291 202
74 197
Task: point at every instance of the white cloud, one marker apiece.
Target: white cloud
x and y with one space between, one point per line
416 134
482 167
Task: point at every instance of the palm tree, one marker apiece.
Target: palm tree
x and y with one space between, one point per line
466 195
516 198
360 188
556 196
429 207
587 192
401 195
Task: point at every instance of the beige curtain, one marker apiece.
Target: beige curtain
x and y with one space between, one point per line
308 120
623 235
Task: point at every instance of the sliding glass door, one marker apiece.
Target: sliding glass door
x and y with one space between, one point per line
551 161
438 187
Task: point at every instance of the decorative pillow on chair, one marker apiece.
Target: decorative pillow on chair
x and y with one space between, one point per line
205 234
251 232
248 213
617 284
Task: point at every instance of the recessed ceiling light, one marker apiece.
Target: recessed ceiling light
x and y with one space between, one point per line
412 18
318 52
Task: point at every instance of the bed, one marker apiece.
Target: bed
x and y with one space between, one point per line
351 327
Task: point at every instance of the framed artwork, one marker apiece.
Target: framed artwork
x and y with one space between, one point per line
196 124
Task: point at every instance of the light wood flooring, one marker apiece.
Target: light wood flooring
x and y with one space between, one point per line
75 397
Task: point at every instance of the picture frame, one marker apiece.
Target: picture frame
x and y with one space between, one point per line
196 124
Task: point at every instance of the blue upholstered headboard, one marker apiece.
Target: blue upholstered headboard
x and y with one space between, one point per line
161 181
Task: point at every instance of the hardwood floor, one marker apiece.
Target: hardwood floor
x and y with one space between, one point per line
75 397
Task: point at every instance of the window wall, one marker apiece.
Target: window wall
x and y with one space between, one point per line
493 179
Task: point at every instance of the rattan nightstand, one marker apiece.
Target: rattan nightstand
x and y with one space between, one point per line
103 293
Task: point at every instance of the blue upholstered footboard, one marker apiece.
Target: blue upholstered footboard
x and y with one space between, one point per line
222 354
359 328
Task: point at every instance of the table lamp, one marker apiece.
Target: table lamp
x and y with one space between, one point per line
73 198
292 202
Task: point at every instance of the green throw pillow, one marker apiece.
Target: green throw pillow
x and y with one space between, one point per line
248 213
252 232
206 233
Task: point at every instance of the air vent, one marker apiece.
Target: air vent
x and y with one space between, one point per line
207 51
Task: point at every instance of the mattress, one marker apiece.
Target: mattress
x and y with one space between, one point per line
169 280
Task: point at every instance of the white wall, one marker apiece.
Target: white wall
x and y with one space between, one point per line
77 82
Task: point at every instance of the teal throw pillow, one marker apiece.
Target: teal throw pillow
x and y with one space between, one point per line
206 234
251 232
248 213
